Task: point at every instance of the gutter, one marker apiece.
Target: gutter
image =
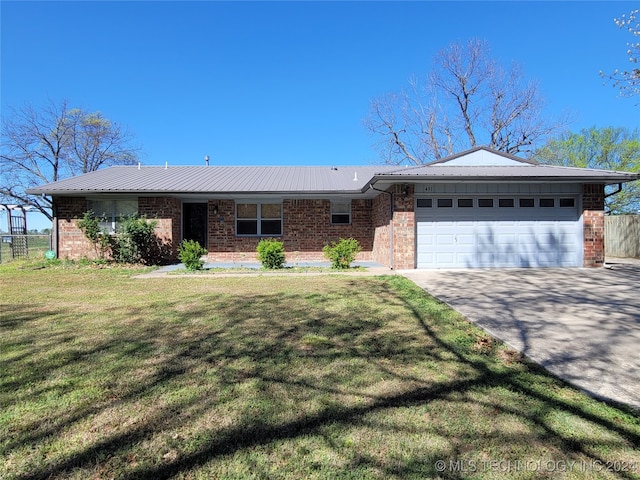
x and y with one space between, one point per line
390 222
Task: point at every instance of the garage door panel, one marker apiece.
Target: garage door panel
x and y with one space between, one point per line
498 237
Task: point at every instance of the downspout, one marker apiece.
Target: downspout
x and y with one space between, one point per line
614 193
390 223
54 229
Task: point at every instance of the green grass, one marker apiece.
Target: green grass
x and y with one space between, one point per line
106 376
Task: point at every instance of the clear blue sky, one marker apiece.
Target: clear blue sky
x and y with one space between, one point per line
290 83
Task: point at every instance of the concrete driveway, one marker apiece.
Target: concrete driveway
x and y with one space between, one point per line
581 324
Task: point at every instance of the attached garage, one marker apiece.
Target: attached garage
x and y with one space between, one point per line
488 209
525 227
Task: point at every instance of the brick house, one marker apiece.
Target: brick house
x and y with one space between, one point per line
480 208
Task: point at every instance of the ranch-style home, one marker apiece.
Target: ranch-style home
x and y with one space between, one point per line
479 208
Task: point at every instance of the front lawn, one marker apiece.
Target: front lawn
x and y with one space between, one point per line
106 376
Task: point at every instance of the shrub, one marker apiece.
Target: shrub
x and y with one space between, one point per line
342 252
136 241
90 226
190 253
271 253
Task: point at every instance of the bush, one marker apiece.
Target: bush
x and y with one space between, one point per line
342 252
271 253
136 242
90 226
190 253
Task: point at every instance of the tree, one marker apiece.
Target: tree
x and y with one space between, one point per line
466 100
608 148
56 142
628 80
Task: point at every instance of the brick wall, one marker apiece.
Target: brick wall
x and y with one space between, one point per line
593 224
306 230
381 217
72 244
403 228
167 212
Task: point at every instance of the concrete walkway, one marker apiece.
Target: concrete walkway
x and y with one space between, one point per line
254 268
581 324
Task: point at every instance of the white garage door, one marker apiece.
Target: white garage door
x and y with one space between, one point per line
498 231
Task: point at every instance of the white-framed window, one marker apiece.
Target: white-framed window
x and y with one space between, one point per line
341 213
112 212
258 219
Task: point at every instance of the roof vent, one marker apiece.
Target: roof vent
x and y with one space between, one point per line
355 176
334 168
206 160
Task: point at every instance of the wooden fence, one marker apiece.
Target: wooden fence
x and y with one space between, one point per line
622 236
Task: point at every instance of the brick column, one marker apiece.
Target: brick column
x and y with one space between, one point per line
404 227
593 224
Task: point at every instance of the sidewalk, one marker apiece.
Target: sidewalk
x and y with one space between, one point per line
223 269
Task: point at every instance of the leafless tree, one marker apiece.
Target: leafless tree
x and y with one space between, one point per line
45 145
466 100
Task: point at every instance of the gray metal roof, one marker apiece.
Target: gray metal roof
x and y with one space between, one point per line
308 180
215 179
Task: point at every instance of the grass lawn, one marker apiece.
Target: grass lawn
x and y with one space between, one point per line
106 376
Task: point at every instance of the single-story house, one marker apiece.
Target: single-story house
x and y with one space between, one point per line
479 208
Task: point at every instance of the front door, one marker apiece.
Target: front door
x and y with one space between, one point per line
195 222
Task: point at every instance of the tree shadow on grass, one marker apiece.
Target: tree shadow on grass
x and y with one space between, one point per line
255 359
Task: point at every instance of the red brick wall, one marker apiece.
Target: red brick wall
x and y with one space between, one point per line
403 228
306 230
381 217
593 224
72 244
167 212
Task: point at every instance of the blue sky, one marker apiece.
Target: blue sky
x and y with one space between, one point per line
255 83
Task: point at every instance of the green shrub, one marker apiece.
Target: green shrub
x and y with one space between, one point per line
271 253
342 252
190 253
136 241
90 226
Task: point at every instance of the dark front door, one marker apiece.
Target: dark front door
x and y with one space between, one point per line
195 222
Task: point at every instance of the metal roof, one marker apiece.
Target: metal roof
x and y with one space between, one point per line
215 179
309 180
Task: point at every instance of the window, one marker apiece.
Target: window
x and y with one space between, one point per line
113 211
445 202
424 203
259 219
547 203
485 202
506 202
341 213
526 203
465 202
567 202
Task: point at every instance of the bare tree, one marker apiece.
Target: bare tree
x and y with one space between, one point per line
628 80
466 100
56 142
